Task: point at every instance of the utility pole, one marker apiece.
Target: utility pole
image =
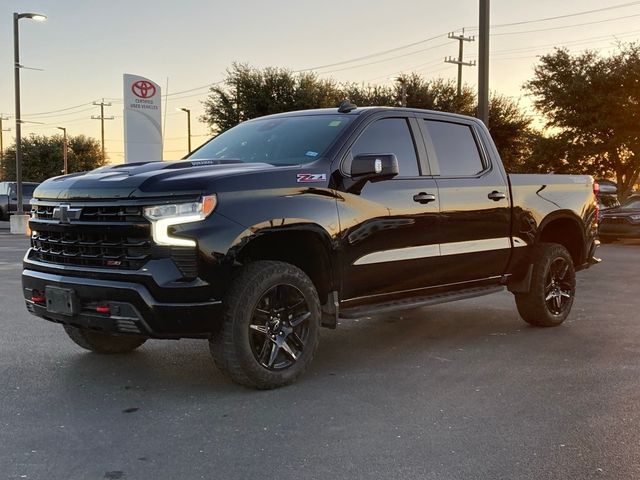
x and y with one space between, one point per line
483 62
102 118
2 129
460 61
65 149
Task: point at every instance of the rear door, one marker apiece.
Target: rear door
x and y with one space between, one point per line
389 231
475 210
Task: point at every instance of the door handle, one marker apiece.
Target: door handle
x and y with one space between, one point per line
497 196
424 197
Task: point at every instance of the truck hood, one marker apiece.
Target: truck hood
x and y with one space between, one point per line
147 179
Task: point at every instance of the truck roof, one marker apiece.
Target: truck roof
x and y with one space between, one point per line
359 111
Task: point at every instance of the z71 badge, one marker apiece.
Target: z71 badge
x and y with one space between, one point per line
311 177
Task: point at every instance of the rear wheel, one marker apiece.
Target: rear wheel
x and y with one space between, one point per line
103 342
271 324
553 286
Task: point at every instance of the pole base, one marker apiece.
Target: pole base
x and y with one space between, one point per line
19 224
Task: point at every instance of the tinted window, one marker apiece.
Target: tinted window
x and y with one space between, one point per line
455 148
390 135
279 141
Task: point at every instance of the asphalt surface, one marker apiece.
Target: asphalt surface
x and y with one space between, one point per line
458 391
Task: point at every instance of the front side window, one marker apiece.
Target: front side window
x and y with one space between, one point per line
390 135
455 148
291 140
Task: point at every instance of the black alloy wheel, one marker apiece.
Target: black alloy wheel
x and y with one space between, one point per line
279 328
558 290
550 297
270 327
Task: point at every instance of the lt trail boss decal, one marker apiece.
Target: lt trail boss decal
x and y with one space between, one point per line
311 177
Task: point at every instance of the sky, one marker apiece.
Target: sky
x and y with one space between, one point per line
85 46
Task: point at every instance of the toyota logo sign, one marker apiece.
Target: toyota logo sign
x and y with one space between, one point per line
143 89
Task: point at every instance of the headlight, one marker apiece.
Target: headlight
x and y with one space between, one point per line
164 216
635 218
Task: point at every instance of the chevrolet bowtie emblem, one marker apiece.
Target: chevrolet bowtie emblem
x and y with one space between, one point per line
65 213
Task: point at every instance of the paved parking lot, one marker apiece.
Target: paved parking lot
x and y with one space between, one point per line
458 391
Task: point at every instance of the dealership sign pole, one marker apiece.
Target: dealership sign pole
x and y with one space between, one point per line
142 120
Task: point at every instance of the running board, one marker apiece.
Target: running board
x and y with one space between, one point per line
417 302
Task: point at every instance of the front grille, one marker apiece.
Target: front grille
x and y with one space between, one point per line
92 250
96 213
104 236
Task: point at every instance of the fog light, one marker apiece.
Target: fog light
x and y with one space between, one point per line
103 309
37 297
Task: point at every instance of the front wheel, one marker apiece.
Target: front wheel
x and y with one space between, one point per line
270 328
103 342
553 287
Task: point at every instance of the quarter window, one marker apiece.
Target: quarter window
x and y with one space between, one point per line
390 135
455 148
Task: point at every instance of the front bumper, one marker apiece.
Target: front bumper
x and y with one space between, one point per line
133 309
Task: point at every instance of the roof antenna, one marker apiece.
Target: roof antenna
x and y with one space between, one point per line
346 106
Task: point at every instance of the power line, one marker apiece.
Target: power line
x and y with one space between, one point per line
558 17
372 55
563 27
55 111
386 59
58 115
581 41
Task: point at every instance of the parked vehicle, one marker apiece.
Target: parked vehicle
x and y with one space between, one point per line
9 198
291 221
621 222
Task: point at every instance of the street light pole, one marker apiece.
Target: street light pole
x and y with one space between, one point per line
16 68
64 150
188 127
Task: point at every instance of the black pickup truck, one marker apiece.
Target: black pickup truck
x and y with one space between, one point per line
9 198
289 222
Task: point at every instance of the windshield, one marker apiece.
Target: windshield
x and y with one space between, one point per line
632 204
278 141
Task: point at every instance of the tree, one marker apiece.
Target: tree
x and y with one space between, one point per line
593 103
248 92
42 157
512 133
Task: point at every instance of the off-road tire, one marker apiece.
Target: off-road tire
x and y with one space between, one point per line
231 346
105 343
533 305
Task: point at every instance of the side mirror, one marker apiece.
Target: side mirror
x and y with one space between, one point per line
374 167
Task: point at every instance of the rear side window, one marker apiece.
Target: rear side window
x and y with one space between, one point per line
455 148
390 135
